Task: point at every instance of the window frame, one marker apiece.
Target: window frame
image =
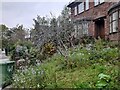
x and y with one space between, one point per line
83 7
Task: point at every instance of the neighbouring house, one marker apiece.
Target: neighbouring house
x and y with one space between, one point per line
96 18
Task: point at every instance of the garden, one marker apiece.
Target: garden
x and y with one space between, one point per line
93 67
56 56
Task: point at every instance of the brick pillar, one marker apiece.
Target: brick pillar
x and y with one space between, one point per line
106 27
91 28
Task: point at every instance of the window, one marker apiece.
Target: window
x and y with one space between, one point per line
76 29
75 10
87 5
101 1
97 2
85 28
81 7
114 22
110 24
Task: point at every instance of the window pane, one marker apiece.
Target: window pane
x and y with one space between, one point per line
110 28
96 2
115 16
79 29
81 7
87 4
101 1
115 26
76 10
110 18
85 28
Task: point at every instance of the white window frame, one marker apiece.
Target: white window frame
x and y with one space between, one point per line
81 7
87 5
75 10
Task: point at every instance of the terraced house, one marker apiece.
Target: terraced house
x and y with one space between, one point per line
96 18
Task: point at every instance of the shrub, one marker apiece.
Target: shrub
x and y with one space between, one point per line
30 78
49 49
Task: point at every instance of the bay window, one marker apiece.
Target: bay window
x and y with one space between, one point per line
114 22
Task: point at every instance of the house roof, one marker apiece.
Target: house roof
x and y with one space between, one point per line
114 6
72 4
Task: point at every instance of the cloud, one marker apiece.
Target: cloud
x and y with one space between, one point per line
14 13
36 0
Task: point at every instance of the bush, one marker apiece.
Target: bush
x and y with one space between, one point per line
49 49
77 59
30 78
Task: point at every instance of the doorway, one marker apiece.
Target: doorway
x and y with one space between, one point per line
99 28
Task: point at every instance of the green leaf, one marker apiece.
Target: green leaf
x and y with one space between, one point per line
101 84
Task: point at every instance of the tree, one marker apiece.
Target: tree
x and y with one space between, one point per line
18 33
3 36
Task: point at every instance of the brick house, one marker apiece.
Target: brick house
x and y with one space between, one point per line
96 18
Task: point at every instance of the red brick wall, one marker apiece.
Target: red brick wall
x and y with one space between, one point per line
95 12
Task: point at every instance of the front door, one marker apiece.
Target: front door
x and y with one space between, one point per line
99 28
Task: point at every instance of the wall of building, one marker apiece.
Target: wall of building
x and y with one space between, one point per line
95 12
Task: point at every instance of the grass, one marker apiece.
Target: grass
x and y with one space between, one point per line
77 72
81 77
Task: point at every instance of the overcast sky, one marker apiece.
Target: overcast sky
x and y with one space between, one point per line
14 13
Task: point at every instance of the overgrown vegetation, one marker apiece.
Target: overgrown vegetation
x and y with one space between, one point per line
84 68
56 56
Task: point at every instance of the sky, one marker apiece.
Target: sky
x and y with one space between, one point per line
14 13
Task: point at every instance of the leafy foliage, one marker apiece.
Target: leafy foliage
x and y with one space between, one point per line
78 70
103 80
49 49
30 78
